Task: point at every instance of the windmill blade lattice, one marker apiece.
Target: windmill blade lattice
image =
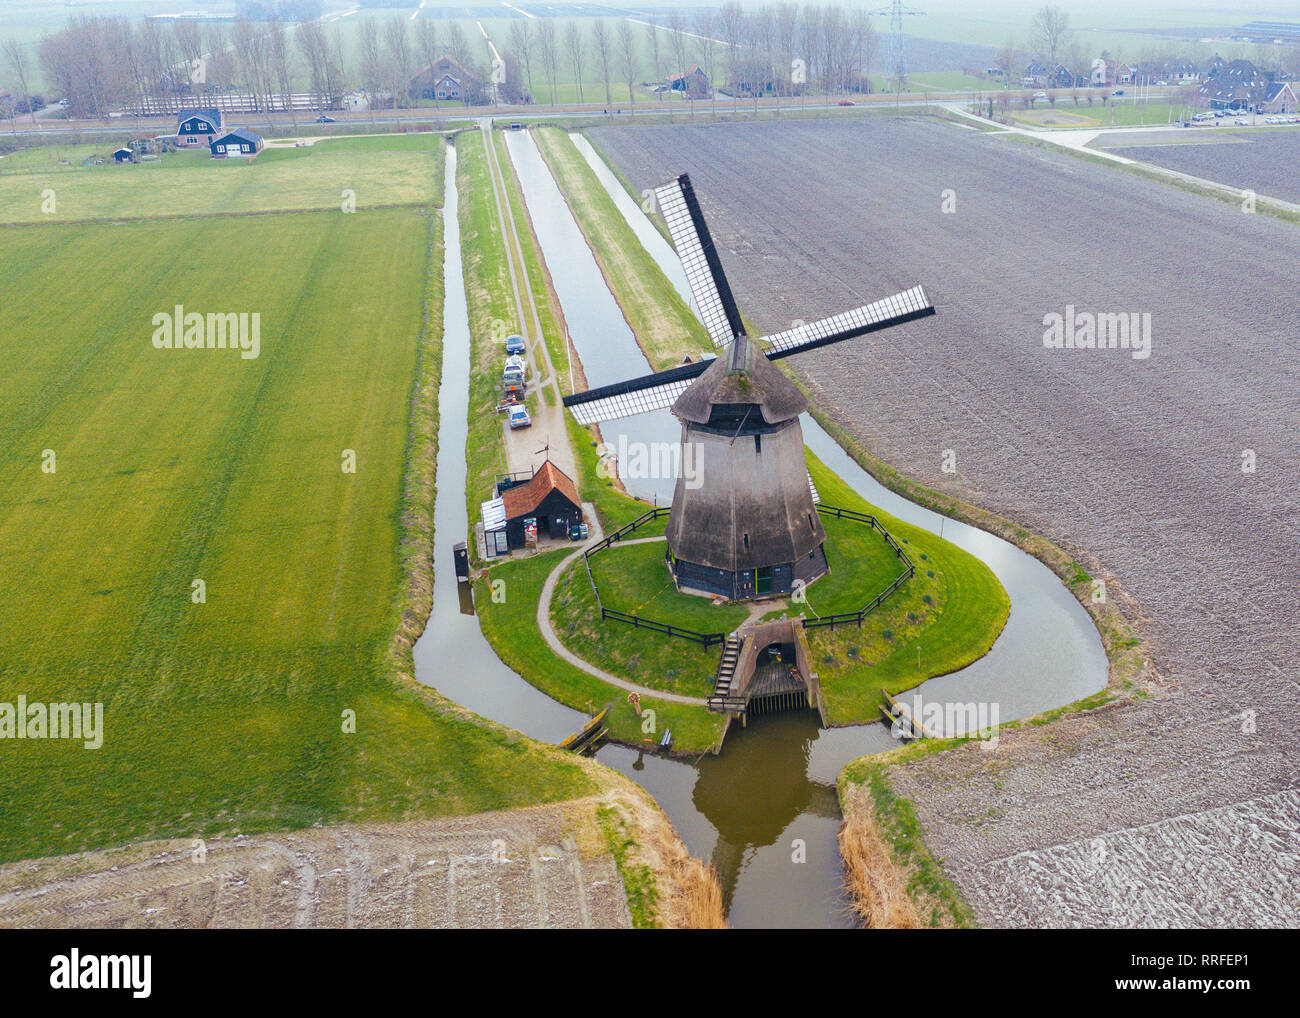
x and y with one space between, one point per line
694 246
882 314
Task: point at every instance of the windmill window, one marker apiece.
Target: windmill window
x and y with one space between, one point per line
758 445
747 542
811 526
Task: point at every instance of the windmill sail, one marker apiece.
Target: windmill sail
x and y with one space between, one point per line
694 245
634 396
660 390
882 314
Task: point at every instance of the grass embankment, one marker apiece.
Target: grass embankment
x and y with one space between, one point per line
378 171
511 626
664 326
173 466
952 609
492 316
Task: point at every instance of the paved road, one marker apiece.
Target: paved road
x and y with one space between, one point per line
1134 465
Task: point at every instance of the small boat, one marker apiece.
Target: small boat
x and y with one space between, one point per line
591 733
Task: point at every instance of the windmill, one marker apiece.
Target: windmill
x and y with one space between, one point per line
746 525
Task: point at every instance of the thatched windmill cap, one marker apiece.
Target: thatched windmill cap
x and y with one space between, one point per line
742 376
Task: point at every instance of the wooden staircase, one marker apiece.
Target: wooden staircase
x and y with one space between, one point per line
722 701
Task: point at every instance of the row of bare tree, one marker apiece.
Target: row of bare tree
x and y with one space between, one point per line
100 64
777 49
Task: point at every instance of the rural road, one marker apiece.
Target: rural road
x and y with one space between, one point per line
1172 477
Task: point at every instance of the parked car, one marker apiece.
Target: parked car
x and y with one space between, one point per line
1242 121
515 344
1118 91
519 418
1040 95
322 119
847 102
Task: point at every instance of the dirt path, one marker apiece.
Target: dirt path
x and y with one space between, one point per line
553 641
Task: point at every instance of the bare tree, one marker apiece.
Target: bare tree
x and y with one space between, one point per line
426 37
546 38
575 46
397 36
277 48
787 31
1007 59
15 54
731 18
600 36
627 57
653 29
371 63
521 39
677 42
705 28
1050 29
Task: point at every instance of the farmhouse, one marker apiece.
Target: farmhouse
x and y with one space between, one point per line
445 78
694 83
239 142
197 127
124 155
545 505
1241 85
1280 97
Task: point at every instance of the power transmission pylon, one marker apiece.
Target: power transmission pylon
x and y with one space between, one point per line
897 46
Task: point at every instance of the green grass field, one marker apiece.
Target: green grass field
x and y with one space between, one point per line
381 170
172 466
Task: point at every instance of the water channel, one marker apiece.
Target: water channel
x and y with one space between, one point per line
774 784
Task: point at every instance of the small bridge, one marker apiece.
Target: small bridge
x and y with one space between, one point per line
764 668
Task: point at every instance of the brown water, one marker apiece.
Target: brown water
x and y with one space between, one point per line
764 810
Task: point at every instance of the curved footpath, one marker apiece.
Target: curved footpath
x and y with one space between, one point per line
553 641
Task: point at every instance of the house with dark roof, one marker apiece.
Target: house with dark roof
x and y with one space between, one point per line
197 127
1279 97
234 144
1238 85
693 83
445 78
545 505
124 155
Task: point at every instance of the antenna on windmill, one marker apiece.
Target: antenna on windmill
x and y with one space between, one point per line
746 525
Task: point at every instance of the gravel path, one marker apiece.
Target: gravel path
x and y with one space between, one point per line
1135 465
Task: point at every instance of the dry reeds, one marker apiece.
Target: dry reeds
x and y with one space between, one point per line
877 888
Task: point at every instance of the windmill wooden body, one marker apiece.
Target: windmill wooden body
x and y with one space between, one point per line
744 523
